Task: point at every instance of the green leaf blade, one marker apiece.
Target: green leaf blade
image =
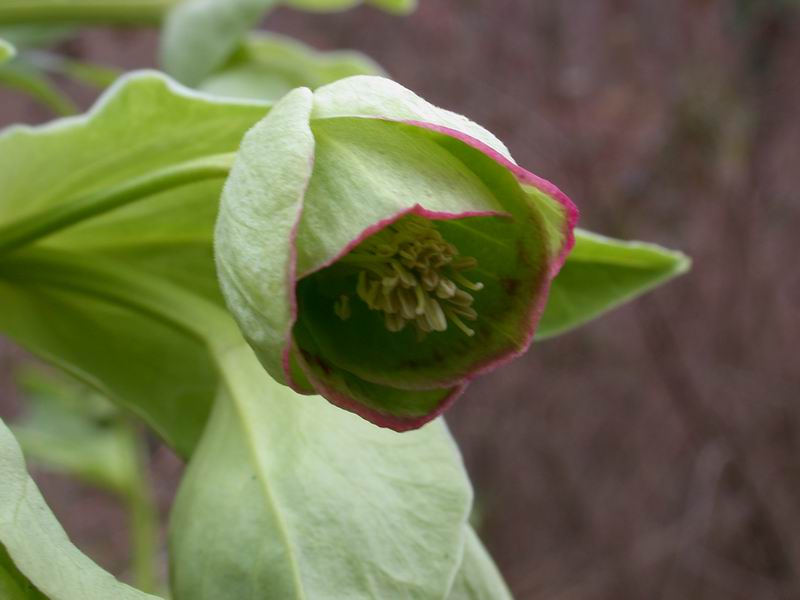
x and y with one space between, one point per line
54 305
303 500
39 547
602 273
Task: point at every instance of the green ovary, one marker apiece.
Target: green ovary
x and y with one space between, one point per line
411 274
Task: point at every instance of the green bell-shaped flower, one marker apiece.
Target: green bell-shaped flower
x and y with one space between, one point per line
383 252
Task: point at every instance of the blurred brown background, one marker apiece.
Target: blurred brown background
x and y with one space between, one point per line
654 454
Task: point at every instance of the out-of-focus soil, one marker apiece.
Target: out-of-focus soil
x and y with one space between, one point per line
653 454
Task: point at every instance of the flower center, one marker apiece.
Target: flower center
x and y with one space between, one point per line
410 273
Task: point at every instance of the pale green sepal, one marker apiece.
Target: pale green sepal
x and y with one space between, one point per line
367 171
268 66
289 497
602 273
37 544
478 577
200 35
256 228
378 97
7 51
512 254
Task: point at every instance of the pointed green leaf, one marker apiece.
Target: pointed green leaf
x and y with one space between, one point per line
289 497
268 66
602 273
37 545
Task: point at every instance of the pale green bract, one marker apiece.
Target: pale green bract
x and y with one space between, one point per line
309 501
268 66
37 545
200 35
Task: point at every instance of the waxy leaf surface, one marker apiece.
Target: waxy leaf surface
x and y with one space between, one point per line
144 124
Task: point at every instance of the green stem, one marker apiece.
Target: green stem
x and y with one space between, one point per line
25 231
39 88
117 12
97 76
143 519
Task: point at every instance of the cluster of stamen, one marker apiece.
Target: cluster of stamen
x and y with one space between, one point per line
410 273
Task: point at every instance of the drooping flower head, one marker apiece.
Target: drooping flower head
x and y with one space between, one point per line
383 252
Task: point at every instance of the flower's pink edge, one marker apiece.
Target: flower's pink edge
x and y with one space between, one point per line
381 419
523 176
417 210
526 177
291 276
372 229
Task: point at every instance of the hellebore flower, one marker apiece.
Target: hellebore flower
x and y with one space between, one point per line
383 252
